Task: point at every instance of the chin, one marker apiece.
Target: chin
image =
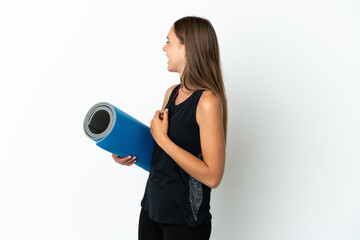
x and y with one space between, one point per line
170 69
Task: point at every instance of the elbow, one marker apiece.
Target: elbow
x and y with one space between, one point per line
213 186
214 180
214 183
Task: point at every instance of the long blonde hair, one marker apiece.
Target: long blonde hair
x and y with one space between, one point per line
202 69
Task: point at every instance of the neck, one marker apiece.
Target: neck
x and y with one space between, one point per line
184 89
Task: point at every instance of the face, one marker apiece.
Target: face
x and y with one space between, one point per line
175 51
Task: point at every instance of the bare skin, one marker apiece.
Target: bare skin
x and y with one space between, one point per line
209 116
126 161
212 138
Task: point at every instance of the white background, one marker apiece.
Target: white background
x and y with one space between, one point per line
292 75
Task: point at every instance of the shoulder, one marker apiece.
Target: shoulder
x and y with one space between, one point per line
209 101
167 95
209 105
169 90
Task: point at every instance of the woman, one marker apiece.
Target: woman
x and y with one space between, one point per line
189 133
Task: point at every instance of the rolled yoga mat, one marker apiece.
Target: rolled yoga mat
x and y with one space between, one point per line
119 133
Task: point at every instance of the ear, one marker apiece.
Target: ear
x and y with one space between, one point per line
183 50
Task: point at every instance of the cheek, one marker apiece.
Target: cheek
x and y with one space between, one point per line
181 58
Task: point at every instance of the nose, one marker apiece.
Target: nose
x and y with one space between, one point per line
164 48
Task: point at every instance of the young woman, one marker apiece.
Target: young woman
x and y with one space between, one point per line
189 133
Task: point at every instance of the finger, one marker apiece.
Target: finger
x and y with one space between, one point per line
114 156
166 115
131 162
121 160
156 113
128 160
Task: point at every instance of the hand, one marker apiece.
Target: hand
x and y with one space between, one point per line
127 161
159 126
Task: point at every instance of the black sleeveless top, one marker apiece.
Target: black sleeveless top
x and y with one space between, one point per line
172 196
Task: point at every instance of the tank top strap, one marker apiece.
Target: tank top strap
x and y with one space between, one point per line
173 95
195 97
171 195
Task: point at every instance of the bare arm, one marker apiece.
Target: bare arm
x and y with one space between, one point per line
130 160
209 117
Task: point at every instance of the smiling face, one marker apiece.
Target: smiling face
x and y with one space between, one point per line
175 51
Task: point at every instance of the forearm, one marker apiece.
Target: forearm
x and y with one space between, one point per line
194 166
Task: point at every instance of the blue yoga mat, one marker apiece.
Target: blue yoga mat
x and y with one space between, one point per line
119 133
